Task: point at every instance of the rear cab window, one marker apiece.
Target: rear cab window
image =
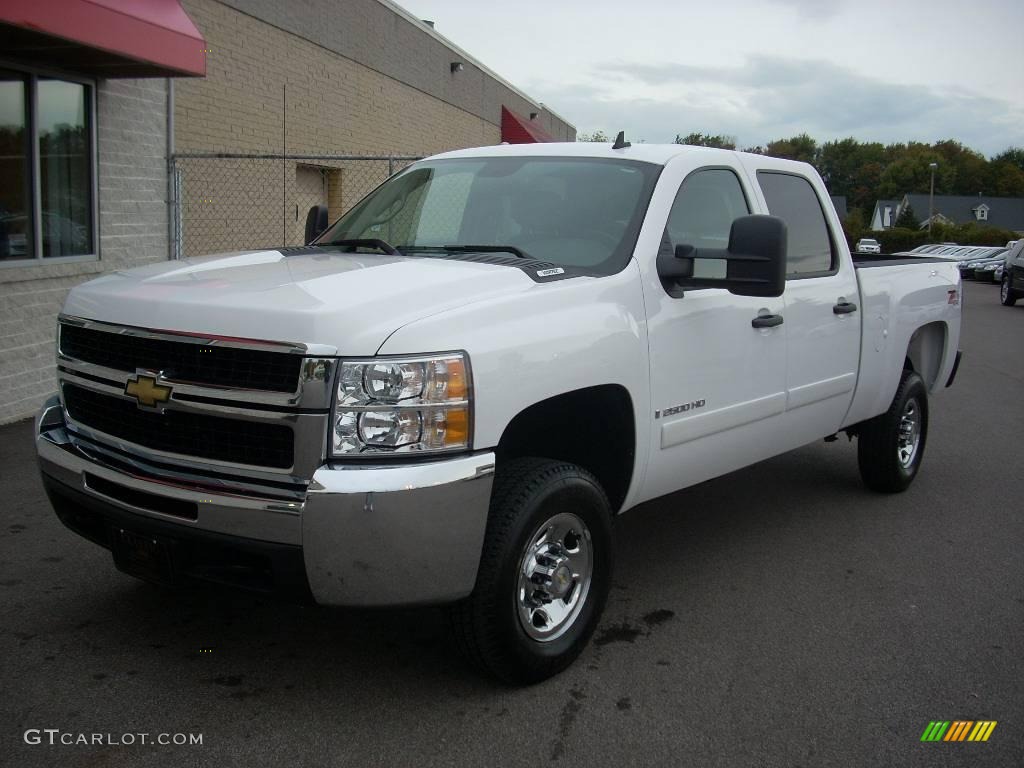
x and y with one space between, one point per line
810 251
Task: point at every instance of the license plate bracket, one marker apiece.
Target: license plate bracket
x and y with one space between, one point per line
143 555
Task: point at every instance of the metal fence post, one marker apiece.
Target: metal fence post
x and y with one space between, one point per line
178 218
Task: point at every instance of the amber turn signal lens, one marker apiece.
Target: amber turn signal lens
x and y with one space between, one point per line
456 431
457 387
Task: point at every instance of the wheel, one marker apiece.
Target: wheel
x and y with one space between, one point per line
890 446
1006 294
544 572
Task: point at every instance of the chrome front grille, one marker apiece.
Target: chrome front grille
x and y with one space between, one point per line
201 436
239 408
218 365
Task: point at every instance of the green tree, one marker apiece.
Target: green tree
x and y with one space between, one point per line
1013 156
912 173
1005 179
802 148
597 136
907 219
706 140
853 169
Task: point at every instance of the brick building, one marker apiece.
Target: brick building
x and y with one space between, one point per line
98 96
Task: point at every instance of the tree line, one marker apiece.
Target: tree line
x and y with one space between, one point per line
866 171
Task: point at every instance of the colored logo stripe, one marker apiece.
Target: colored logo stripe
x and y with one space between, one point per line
982 730
958 730
935 730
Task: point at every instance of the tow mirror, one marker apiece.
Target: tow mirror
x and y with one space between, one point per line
316 223
754 264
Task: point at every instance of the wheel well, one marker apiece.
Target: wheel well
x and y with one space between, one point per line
591 427
924 352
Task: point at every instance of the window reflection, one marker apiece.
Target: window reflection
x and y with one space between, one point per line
15 170
64 183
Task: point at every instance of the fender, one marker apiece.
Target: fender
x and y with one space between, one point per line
552 339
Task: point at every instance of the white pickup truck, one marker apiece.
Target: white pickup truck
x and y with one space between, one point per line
450 394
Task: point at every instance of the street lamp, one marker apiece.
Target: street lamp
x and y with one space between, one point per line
931 199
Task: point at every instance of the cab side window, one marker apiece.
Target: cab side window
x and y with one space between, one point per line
793 199
707 203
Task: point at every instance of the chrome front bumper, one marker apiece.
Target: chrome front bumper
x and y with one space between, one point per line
368 535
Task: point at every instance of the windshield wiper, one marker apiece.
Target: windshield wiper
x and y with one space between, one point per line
381 245
518 252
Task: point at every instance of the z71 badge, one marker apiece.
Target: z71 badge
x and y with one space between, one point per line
681 408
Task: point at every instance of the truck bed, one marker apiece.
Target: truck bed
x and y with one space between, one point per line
914 298
868 260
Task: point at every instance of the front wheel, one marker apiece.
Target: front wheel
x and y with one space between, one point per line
1006 295
544 572
890 446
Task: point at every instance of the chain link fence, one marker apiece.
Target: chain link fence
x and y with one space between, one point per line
230 202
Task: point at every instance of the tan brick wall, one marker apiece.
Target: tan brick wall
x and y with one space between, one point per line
334 105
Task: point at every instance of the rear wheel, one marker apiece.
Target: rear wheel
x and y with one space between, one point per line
1006 294
544 572
890 446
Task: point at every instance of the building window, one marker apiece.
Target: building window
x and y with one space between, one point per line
47 199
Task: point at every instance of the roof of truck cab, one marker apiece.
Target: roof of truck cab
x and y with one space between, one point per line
649 153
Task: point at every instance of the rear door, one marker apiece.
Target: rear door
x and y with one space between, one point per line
822 314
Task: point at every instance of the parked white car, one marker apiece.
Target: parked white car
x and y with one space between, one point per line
453 391
868 245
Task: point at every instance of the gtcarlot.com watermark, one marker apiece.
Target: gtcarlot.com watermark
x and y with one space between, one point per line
55 736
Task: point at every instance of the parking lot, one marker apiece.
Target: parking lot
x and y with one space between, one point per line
779 616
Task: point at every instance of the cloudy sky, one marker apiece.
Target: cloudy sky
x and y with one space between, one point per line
886 71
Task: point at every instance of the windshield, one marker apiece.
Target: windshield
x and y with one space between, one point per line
579 212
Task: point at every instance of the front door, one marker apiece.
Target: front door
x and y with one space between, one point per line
717 382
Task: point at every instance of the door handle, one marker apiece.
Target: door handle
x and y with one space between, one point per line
844 308
766 321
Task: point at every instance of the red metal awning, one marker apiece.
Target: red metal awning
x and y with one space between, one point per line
516 129
104 38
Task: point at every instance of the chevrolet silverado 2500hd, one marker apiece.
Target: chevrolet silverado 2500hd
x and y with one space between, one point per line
451 392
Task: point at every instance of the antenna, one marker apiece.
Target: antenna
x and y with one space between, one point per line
620 141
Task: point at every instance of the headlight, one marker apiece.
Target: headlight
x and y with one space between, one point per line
402 405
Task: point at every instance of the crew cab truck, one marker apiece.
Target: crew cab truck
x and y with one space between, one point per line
449 395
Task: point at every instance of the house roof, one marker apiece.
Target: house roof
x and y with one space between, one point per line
1004 212
880 206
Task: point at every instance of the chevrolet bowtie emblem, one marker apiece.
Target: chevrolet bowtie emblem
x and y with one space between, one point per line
146 391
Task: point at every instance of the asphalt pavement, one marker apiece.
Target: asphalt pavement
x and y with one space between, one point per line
782 615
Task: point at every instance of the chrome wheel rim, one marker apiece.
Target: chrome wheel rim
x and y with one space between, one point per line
909 433
555 573
1004 289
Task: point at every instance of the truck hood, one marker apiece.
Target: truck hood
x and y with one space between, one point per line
350 301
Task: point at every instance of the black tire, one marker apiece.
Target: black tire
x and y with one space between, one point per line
527 493
878 440
1006 294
